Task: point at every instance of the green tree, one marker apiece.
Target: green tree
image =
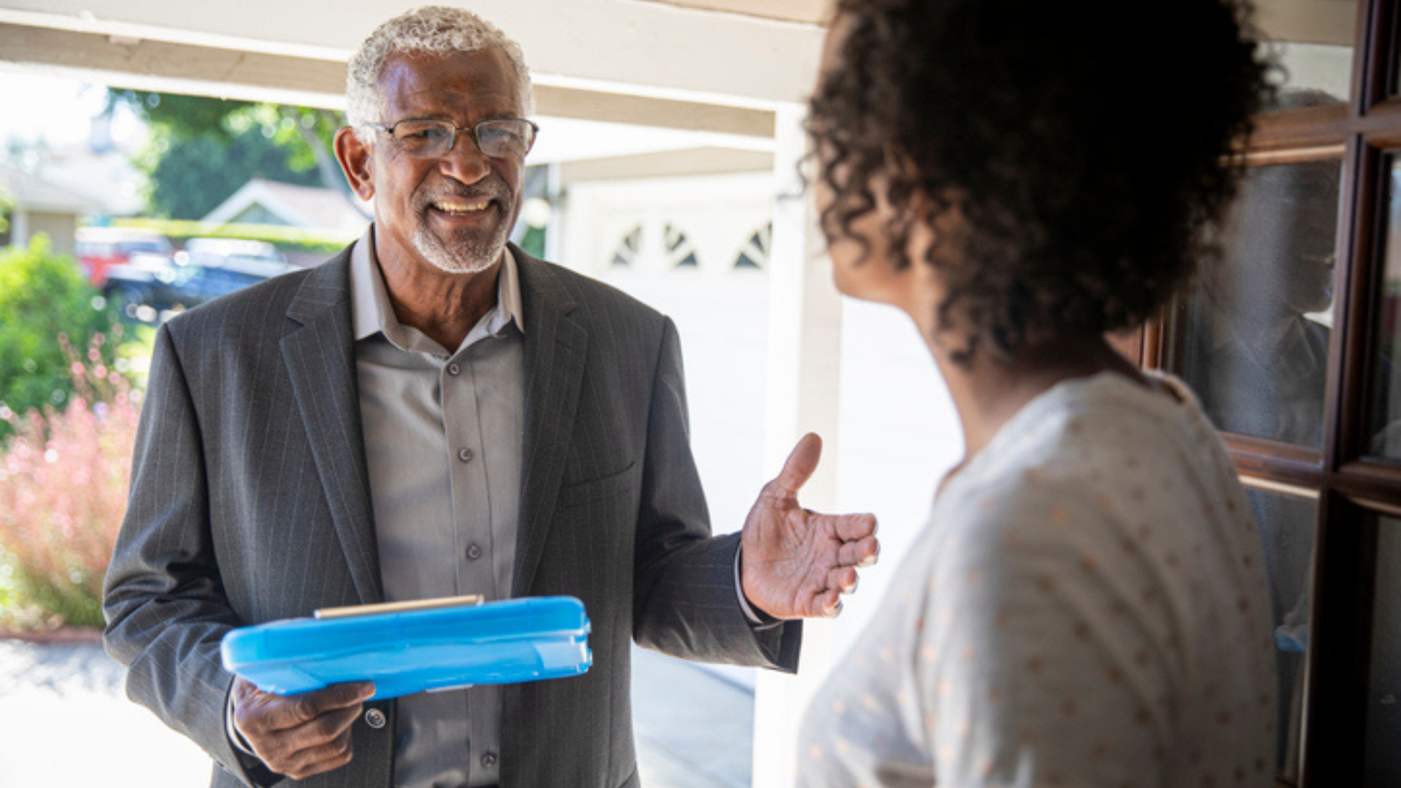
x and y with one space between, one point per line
188 177
44 296
203 149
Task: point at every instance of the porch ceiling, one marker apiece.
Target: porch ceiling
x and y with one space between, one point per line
650 50
812 12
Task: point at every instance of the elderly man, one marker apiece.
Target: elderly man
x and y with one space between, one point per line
433 412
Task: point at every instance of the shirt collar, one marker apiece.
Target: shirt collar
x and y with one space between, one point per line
372 312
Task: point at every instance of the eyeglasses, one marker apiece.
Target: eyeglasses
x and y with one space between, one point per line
431 139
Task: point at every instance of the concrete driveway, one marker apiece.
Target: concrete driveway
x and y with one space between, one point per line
65 721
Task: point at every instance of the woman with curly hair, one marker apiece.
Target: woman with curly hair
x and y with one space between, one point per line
1087 605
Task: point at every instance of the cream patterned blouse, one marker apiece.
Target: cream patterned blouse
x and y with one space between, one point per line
1087 607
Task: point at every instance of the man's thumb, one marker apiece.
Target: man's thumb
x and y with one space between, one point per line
801 462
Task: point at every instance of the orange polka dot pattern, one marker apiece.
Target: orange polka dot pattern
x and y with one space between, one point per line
1087 606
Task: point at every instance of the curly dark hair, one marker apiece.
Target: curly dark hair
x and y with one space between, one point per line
1090 156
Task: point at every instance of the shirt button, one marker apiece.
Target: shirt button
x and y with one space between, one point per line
375 719
464 454
453 369
488 759
474 552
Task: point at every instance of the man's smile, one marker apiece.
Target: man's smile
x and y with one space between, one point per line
457 206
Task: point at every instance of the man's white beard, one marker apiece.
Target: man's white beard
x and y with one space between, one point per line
464 258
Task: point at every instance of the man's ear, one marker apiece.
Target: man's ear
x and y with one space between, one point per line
356 159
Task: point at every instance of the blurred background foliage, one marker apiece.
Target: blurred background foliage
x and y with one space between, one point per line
64 473
44 299
68 413
201 150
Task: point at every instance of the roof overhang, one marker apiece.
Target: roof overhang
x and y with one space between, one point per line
623 61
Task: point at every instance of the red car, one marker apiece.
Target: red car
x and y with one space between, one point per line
100 248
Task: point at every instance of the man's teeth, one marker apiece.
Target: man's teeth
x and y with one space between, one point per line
460 208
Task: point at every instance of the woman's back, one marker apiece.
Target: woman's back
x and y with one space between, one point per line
1087 607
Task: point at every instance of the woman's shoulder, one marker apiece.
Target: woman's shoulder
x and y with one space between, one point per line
1049 510
1092 439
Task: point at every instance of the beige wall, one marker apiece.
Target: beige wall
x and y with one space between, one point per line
60 227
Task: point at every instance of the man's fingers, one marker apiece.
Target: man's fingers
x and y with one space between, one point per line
297 710
327 727
318 745
829 603
850 527
843 579
282 742
871 559
861 553
331 755
801 462
339 696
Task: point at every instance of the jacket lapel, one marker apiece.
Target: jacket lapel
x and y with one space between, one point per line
554 353
320 360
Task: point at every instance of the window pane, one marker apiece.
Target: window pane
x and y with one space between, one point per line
1287 527
1384 413
1252 337
1313 40
1382 762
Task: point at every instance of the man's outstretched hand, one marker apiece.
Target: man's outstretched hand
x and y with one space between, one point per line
795 563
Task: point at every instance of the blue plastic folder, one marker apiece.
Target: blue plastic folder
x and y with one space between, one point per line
418 650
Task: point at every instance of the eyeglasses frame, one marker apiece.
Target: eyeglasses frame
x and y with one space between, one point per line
456 129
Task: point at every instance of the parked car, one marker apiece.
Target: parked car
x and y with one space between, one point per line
100 248
149 288
211 251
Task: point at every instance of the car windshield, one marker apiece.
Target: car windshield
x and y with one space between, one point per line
205 249
153 246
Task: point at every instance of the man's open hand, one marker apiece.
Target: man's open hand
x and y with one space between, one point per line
299 735
795 563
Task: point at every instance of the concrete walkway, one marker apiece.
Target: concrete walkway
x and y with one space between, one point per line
65 721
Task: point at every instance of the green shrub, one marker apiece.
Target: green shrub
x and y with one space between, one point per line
44 299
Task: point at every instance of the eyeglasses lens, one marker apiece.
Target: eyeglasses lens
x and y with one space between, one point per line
495 138
424 138
504 137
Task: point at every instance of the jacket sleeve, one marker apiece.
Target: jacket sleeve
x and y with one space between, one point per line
685 599
163 599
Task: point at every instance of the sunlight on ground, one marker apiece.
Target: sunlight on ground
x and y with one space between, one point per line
67 723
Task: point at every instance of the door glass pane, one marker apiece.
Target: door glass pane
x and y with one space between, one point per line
1382 762
1252 336
1313 40
1384 412
1286 527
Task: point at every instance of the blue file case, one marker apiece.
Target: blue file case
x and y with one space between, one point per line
420 650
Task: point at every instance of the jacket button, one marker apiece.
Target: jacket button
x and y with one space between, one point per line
375 718
489 759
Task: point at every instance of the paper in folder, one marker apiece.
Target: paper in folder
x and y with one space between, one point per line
415 647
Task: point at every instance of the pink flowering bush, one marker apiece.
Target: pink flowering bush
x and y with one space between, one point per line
63 489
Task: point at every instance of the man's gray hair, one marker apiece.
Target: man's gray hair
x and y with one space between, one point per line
431 30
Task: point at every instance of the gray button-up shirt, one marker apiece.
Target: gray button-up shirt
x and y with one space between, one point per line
443 437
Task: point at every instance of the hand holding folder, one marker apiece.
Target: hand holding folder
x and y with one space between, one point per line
436 645
333 663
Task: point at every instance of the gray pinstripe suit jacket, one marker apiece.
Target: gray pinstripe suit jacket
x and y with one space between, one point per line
250 503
